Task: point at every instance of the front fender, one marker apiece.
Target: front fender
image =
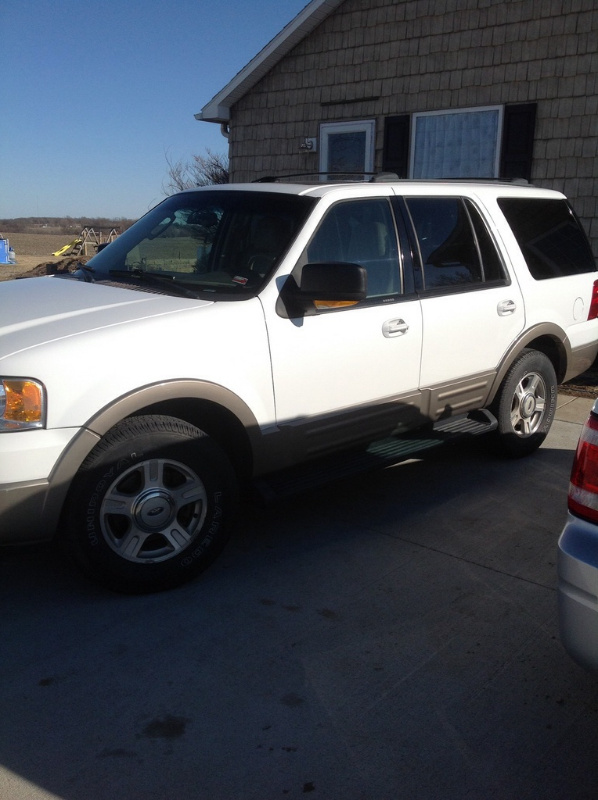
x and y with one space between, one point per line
137 402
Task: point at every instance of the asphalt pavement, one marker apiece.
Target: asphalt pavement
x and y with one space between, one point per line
390 636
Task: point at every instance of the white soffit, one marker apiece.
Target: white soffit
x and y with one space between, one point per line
218 109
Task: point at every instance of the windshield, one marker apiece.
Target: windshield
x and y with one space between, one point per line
225 242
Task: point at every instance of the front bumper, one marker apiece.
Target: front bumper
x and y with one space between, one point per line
22 513
578 590
36 468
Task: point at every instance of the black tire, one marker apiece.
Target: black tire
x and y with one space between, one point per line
151 506
526 404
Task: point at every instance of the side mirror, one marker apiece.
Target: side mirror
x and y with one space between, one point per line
205 219
334 282
330 284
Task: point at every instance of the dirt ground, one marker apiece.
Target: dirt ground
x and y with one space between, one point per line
34 255
585 385
31 250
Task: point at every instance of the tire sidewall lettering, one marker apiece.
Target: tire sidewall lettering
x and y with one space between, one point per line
217 518
92 526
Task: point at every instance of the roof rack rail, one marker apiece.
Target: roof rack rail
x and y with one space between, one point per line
373 177
522 181
380 177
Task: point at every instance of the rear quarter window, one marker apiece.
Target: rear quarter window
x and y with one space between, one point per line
551 238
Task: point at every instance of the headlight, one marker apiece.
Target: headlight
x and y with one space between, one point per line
22 404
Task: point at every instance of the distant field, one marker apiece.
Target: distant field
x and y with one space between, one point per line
37 244
31 249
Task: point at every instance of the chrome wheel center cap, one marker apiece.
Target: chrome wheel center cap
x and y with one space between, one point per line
154 510
528 406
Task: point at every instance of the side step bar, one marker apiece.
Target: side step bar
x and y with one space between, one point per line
379 454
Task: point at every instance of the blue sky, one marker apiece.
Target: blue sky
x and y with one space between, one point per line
94 94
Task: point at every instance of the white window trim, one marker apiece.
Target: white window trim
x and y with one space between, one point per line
357 126
450 111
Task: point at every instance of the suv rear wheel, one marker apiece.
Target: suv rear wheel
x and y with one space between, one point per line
151 506
526 404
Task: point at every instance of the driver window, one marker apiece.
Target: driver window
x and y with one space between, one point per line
360 232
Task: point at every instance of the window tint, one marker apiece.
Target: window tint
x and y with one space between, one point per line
492 268
446 241
455 246
360 232
551 239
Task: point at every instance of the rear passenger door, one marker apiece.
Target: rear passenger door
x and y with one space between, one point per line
471 309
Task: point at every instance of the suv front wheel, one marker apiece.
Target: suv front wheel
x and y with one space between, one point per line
151 506
526 404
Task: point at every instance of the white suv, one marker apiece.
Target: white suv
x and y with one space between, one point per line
248 333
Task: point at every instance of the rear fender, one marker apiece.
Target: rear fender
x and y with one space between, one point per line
546 338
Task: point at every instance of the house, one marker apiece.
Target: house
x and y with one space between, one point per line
425 89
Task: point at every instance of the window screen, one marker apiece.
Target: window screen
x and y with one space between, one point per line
456 144
347 147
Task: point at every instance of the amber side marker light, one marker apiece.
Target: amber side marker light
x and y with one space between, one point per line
21 404
323 304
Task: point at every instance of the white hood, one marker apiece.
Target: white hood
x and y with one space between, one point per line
39 310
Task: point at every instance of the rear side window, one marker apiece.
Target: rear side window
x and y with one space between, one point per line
552 241
455 247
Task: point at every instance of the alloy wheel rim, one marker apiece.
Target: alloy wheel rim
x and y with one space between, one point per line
153 511
529 404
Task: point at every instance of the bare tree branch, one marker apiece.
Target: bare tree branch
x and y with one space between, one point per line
205 170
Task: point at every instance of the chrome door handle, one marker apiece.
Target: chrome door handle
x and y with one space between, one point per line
506 307
394 327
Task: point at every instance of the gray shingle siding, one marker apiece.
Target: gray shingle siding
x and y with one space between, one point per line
374 58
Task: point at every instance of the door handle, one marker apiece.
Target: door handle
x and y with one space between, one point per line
506 307
394 327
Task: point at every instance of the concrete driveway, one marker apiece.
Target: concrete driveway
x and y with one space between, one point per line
393 636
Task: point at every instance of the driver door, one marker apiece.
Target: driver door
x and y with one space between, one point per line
350 373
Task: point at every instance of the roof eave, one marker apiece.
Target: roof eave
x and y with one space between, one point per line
218 109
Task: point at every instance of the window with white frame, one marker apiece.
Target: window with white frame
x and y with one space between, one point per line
463 143
347 147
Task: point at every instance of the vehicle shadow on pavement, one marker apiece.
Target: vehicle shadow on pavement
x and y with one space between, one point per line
392 632
458 499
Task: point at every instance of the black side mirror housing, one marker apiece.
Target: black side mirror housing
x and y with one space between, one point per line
330 284
334 281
